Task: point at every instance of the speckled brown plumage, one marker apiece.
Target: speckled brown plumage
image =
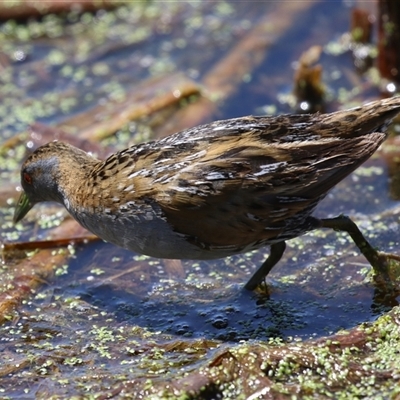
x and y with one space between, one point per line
214 190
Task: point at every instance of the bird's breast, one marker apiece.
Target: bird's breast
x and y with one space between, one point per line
148 232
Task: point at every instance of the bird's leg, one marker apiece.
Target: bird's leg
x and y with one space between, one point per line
378 260
277 250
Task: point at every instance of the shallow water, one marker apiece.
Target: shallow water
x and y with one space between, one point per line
100 294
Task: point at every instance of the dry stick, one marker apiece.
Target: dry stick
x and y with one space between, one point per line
34 8
361 26
14 367
47 244
151 95
389 40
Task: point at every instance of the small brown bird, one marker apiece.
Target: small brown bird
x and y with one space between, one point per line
215 190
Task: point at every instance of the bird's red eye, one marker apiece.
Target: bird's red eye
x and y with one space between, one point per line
27 178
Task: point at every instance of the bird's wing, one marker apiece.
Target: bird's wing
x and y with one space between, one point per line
245 182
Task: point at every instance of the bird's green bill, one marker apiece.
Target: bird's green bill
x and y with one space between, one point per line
22 208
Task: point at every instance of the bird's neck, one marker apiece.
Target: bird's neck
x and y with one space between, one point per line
75 181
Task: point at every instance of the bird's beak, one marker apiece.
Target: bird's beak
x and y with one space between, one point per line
22 207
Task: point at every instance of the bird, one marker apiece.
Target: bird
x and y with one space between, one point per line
215 190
